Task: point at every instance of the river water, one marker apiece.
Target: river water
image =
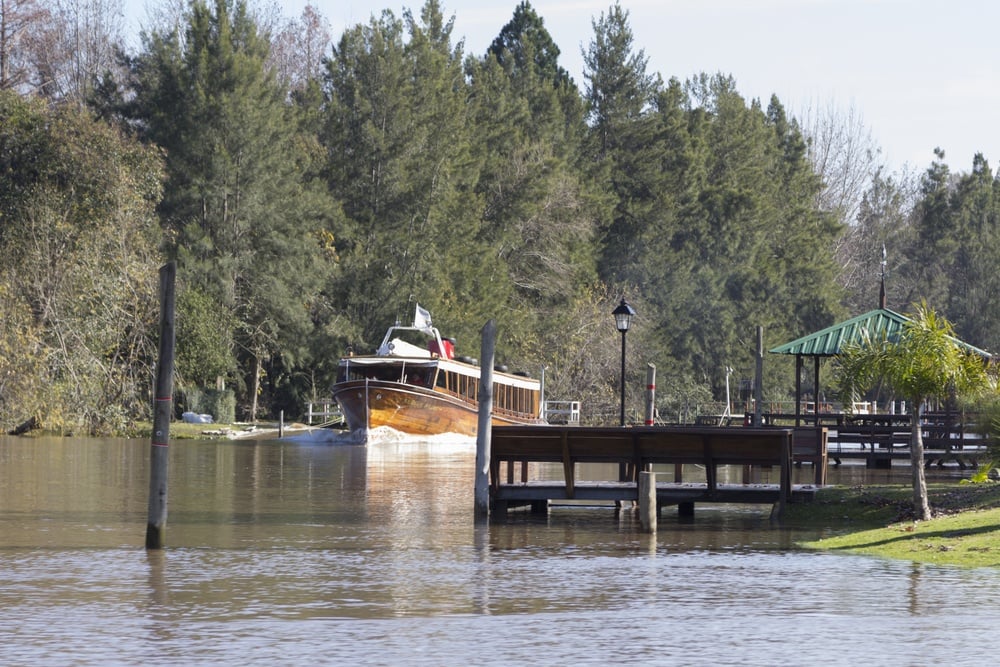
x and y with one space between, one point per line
282 552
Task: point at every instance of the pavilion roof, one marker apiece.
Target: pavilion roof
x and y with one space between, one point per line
830 341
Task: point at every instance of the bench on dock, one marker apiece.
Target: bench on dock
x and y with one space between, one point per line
873 436
809 445
636 449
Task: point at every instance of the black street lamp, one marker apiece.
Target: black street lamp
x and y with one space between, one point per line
623 318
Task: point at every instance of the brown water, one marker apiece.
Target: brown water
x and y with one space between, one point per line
302 552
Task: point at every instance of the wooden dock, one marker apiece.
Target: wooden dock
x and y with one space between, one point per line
879 439
878 446
637 449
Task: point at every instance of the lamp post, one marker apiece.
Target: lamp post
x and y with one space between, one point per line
623 318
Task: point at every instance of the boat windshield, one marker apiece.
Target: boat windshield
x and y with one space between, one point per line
416 342
388 370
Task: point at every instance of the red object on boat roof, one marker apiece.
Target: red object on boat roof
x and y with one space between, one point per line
449 348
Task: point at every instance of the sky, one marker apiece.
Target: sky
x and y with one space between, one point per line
919 74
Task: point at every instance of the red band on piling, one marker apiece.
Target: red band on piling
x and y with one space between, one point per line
160 444
650 386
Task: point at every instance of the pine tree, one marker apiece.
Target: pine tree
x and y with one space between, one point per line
538 220
621 144
399 158
243 219
973 286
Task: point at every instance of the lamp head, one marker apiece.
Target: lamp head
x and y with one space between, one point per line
623 315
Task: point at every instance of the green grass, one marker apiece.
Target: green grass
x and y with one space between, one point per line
878 521
969 539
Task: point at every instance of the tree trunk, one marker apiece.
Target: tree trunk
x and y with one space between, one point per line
921 508
24 427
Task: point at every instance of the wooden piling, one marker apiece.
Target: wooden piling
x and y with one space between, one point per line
650 394
758 389
162 406
647 501
485 424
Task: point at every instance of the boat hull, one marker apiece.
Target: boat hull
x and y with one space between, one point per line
417 411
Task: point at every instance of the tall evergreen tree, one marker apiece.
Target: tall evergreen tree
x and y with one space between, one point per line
967 259
537 214
621 143
938 239
524 44
704 188
538 217
756 186
526 51
619 89
397 133
243 219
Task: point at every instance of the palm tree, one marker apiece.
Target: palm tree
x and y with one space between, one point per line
924 361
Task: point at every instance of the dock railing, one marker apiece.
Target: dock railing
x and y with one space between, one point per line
562 412
325 410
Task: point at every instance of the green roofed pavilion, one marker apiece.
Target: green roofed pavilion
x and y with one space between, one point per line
831 341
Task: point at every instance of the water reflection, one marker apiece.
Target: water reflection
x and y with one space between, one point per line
324 553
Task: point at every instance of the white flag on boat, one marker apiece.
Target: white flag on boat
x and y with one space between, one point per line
421 319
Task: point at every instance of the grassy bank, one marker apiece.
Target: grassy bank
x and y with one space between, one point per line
878 521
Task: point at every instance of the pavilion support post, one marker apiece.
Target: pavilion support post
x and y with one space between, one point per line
798 390
816 390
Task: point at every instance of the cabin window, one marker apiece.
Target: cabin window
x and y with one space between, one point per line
468 387
442 379
420 377
515 399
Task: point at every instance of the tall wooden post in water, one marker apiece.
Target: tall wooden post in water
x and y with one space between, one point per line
162 404
758 385
650 394
487 354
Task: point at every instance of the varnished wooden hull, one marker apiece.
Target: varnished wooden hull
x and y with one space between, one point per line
417 411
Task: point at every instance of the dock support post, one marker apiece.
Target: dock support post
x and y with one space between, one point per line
281 424
162 406
484 426
647 501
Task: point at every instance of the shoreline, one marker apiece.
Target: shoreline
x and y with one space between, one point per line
878 521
